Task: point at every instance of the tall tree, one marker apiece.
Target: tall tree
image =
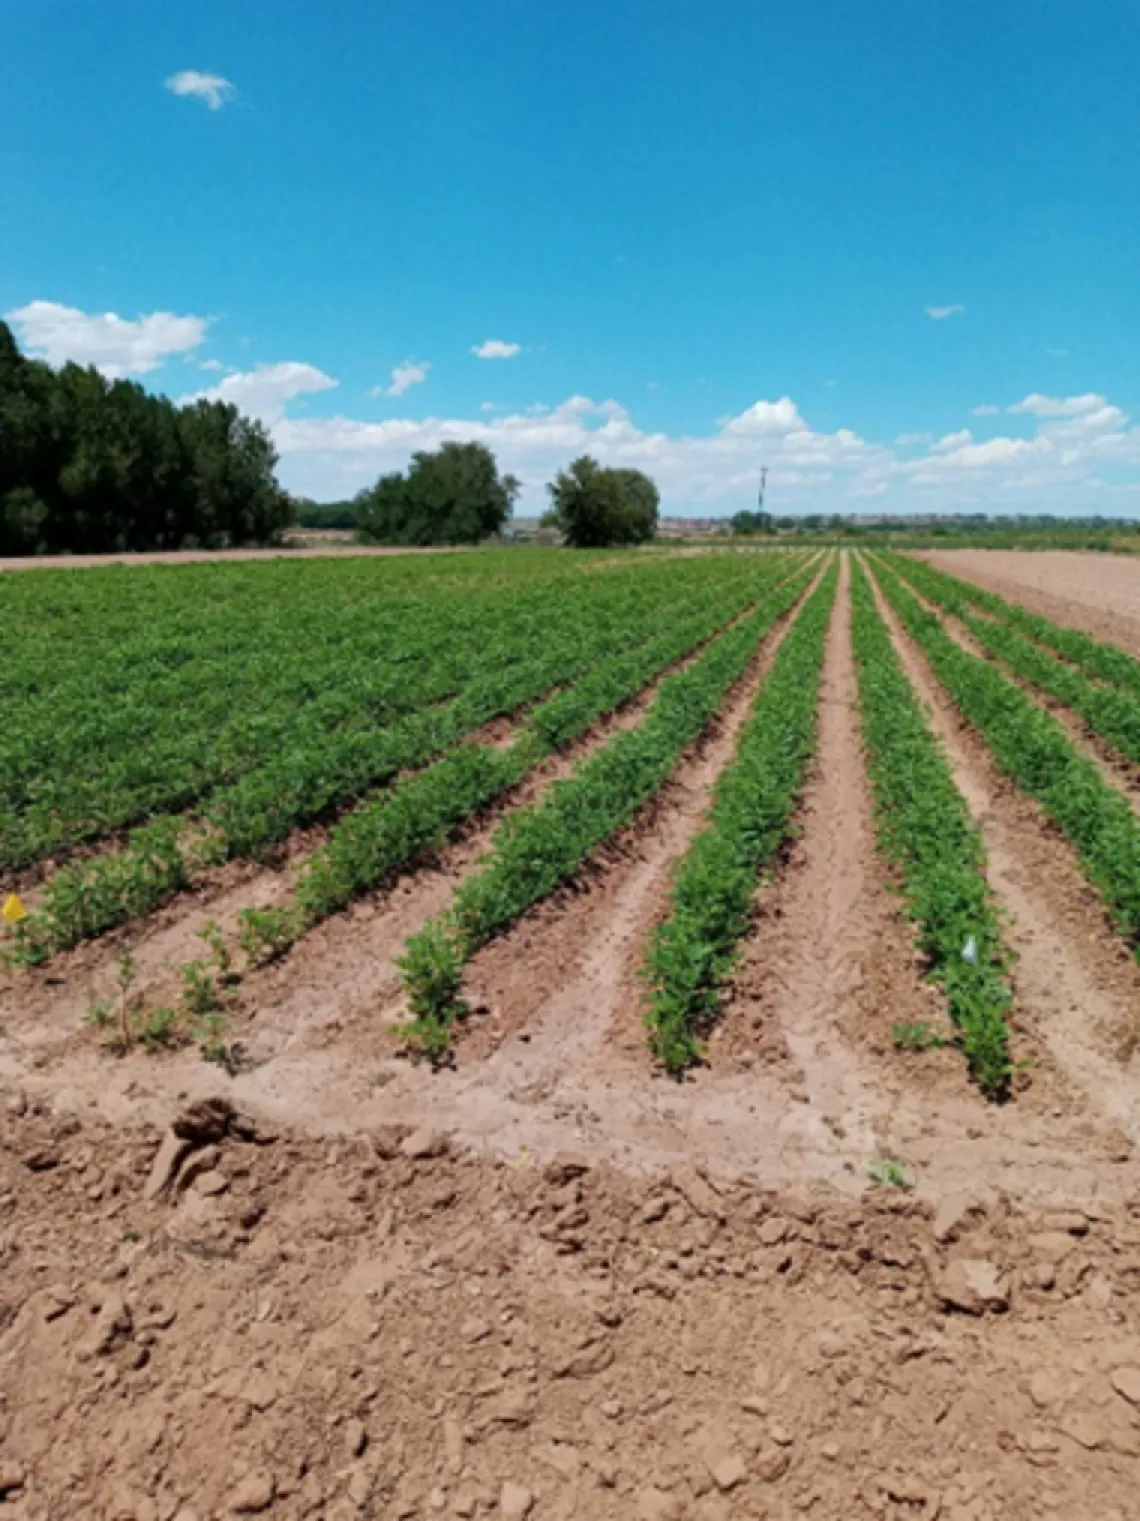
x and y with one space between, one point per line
88 464
452 496
592 506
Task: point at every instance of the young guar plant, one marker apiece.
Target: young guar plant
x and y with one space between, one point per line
924 827
542 846
425 808
422 811
694 948
88 898
1032 748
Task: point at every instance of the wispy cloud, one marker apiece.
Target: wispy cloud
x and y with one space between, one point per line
940 313
265 391
1036 405
987 409
1056 353
412 372
115 345
213 89
495 348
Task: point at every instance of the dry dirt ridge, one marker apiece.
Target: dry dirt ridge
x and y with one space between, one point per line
228 1322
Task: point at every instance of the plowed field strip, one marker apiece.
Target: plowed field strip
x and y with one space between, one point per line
1076 987
1097 593
1103 723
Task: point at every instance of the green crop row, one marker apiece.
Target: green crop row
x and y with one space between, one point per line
1112 714
536 849
1030 746
924 827
379 837
85 900
1095 657
694 949
206 694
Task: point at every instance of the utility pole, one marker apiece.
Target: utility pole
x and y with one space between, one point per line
763 520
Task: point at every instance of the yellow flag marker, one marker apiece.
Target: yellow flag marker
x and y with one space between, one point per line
13 910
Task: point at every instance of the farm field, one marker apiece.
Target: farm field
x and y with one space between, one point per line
644 1037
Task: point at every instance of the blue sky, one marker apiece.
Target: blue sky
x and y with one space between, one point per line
702 237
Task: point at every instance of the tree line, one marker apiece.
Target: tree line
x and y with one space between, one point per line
455 495
90 465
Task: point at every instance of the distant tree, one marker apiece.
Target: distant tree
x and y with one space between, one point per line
752 522
452 496
312 514
593 507
88 465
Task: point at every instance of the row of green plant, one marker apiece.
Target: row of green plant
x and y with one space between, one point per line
376 839
924 827
540 847
1030 746
158 713
1096 657
1109 712
693 950
86 899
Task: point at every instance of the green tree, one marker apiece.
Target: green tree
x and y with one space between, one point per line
593 507
88 464
452 496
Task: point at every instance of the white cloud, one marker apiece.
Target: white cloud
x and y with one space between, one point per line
1056 353
115 345
987 409
331 456
265 391
951 441
411 373
213 89
940 313
767 417
1036 405
495 348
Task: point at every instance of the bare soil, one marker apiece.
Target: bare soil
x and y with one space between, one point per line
1098 593
550 1283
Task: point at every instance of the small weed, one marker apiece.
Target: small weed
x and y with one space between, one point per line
267 933
890 1173
211 1035
199 990
212 936
99 1011
160 1027
917 1037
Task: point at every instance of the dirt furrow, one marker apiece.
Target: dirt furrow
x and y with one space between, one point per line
588 939
826 933
1077 988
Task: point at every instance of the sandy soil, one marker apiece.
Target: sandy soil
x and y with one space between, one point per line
1099 593
549 1283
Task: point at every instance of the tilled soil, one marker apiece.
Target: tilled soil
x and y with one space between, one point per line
548 1282
251 1323
1098 593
